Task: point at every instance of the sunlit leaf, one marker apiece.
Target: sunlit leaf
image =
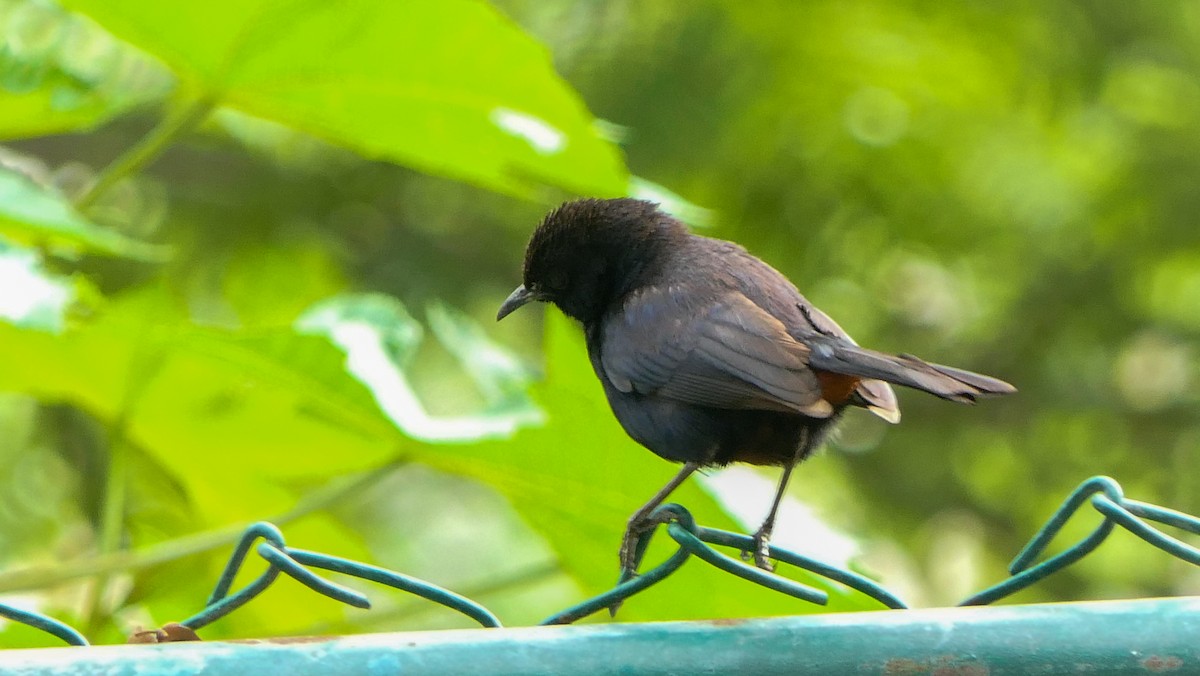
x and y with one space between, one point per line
452 88
378 335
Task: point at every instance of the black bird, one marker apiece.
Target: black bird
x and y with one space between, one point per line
707 354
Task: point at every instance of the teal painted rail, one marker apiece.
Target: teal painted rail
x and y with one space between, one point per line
1116 637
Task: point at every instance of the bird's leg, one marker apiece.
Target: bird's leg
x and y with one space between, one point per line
640 522
762 536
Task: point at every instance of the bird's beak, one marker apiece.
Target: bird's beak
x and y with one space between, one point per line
516 299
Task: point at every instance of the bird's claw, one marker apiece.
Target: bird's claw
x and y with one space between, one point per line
762 551
629 545
629 552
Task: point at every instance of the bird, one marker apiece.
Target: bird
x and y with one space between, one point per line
707 355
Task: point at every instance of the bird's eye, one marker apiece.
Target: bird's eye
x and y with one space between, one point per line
556 280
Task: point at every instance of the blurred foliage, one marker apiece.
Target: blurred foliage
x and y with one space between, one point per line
228 229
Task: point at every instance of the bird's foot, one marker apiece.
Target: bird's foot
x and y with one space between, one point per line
762 550
634 531
638 527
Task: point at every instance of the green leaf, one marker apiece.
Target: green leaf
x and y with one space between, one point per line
233 417
452 87
37 216
238 416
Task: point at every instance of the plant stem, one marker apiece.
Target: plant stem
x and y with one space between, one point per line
115 485
182 119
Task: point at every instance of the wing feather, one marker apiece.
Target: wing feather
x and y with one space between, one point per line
728 354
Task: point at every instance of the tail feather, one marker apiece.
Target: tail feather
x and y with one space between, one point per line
986 385
946 382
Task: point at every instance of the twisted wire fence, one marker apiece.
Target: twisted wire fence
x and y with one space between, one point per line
265 540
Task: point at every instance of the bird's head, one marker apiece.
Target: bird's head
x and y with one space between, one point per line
586 254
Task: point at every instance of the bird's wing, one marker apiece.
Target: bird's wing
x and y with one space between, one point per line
728 353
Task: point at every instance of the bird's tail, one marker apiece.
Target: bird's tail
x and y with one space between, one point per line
946 382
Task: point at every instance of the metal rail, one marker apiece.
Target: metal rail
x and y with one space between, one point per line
1112 637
